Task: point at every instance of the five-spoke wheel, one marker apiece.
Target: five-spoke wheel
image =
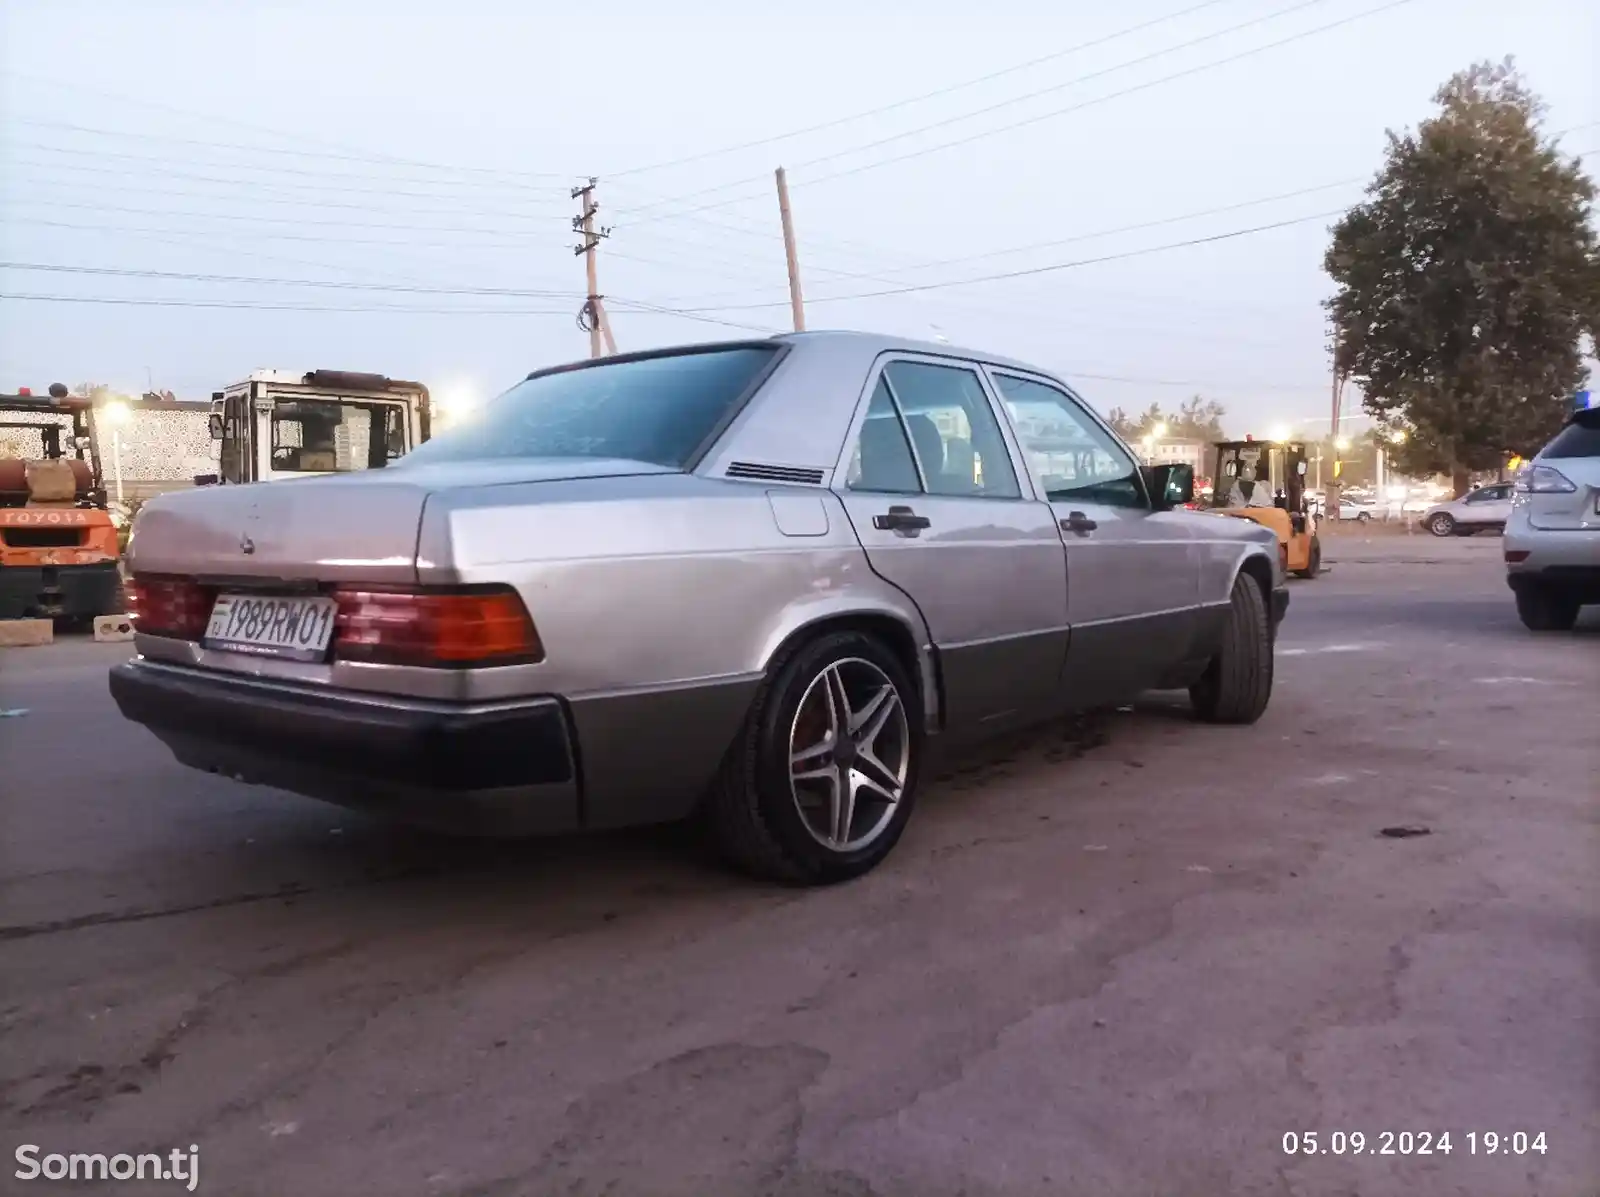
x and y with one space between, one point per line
820 782
849 753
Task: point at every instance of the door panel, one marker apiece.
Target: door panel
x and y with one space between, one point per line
986 572
1133 580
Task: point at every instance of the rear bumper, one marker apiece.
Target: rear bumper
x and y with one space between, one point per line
59 591
486 769
1567 560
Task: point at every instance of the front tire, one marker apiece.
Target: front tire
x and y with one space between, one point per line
1237 684
1544 610
1442 524
822 779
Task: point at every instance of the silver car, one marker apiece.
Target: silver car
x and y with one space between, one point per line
759 582
1481 509
1552 540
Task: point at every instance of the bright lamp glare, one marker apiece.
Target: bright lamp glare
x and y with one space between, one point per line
1342 442
116 411
1280 432
458 402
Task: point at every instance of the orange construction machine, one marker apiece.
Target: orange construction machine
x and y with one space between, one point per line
58 545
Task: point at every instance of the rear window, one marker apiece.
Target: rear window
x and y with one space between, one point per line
1581 438
655 409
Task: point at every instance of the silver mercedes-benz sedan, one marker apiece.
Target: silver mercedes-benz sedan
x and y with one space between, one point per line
758 582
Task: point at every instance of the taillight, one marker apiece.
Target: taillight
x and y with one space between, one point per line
454 628
1544 480
175 607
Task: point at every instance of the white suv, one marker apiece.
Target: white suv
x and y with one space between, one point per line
1552 539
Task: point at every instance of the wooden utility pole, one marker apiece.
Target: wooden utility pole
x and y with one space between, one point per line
796 300
1330 496
592 319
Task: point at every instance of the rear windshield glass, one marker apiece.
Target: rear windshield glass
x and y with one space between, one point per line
656 409
1581 438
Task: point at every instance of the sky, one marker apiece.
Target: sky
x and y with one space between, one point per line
385 185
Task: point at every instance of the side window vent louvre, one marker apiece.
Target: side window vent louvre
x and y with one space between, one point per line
765 472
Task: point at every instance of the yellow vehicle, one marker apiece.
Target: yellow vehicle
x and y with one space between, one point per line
1265 481
58 546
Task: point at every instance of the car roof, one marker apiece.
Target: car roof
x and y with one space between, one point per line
883 343
853 342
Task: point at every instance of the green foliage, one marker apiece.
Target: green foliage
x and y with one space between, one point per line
1467 280
1196 419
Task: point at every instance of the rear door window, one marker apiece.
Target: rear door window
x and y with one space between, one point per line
1578 439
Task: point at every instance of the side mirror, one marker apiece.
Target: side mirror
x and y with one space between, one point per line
205 480
1231 469
216 427
1171 485
1300 468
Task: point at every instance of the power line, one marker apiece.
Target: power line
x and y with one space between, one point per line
351 154
250 280
284 201
277 185
918 99
1006 103
279 169
911 288
255 305
641 306
251 218
1078 107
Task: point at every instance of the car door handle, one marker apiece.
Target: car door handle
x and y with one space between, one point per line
1079 523
901 519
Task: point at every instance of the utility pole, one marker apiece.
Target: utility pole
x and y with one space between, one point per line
592 318
1330 496
796 300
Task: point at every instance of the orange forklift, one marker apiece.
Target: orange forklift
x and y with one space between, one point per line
59 555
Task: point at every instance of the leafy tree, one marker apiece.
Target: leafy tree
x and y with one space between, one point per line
1467 280
1197 419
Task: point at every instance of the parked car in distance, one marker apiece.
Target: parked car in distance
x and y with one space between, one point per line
1552 540
1360 510
1481 508
759 582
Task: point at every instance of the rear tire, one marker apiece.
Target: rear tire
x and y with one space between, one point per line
1442 524
754 811
1544 610
1237 684
1313 561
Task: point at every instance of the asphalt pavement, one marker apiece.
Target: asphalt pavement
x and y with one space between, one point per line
1127 956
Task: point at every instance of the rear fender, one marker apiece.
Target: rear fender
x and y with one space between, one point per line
814 616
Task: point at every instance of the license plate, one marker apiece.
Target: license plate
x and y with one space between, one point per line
297 627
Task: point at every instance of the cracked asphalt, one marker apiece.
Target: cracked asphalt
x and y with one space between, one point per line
1120 958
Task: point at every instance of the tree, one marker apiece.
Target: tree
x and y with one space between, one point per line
1467 280
1198 419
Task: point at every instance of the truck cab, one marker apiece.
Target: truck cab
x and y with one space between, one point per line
278 424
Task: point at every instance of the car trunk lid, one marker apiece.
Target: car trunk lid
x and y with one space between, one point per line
331 528
1575 454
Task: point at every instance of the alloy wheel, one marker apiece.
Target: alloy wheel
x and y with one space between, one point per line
849 754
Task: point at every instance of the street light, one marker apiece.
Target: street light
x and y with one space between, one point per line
458 402
116 412
1341 443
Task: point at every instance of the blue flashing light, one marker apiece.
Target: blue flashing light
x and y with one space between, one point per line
1587 401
